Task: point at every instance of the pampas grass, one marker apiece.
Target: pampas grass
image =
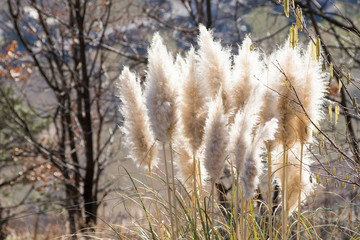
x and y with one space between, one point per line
253 168
295 185
139 138
241 130
285 70
246 75
161 100
267 107
214 66
193 104
161 93
215 140
311 97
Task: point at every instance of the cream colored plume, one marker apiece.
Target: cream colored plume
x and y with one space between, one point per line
138 136
294 184
253 167
247 73
311 96
243 126
269 108
286 71
214 66
161 91
193 104
185 165
215 140
180 66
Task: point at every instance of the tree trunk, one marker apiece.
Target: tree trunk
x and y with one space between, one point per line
72 212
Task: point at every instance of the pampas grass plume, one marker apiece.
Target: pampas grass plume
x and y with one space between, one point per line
214 66
193 104
215 140
294 184
311 97
161 91
185 165
247 72
242 128
253 166
136 127
286 70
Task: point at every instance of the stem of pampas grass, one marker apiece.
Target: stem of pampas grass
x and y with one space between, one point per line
243 216
213 208
169 194
269 174
155 197
284 192
299 203
238 221
194 195
174 198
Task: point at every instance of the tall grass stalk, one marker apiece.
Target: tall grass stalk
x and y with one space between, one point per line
243 216
194 194
174 198
155 197
284 194
238 224
213 208
169 193
153 234
270 194
299 203
200 186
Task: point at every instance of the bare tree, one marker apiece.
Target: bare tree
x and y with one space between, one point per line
67 45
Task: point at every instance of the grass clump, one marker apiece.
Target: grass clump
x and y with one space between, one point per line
219 119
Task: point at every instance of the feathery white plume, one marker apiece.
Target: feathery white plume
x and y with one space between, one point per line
215 139
247 74
161 92
242 128
139 138
269 108
253 166
214 66
185 165
294 184
286 71
311 96
193 104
